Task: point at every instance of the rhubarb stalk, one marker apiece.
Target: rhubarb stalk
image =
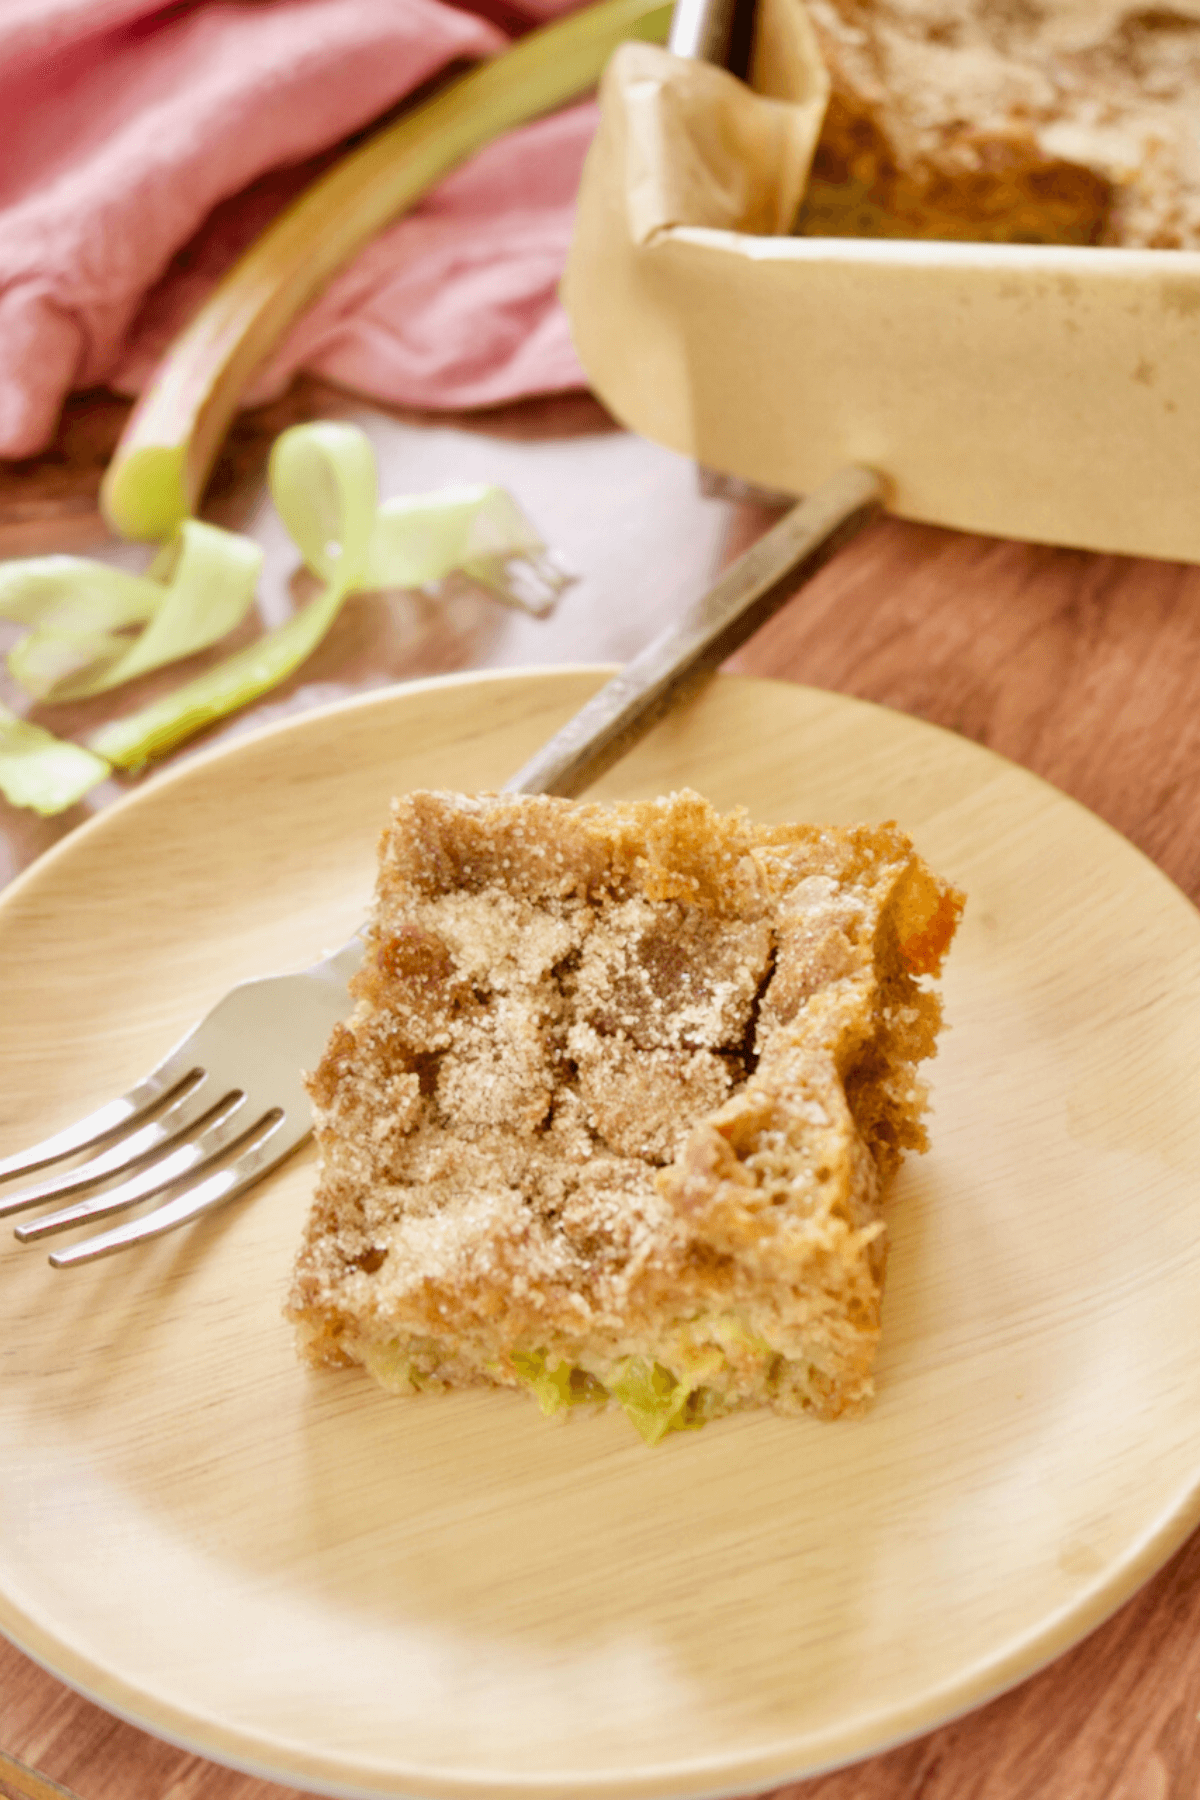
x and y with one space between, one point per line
160 466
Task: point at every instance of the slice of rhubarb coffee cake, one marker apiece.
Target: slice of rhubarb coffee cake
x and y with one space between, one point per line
617 1106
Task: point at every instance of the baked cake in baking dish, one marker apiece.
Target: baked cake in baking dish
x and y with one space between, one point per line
615 1112
1064 121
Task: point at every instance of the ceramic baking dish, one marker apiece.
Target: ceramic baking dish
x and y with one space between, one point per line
1040 392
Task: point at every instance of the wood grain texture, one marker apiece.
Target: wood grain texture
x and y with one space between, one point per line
20 1782
1083 668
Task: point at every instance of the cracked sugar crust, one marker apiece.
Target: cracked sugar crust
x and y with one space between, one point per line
621 1082
1047 121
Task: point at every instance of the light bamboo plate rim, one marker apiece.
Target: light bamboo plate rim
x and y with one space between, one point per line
295 1574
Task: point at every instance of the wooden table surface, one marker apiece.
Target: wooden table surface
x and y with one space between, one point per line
1081 667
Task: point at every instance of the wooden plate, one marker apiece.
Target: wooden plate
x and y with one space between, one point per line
294 1573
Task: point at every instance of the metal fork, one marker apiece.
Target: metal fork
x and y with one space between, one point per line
228 1102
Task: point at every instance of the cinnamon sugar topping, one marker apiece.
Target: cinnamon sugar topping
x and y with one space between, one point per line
617 1104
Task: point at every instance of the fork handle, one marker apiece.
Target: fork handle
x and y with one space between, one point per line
686 654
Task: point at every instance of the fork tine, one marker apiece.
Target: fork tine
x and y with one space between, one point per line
108 1119
179 1116
279 1138
162 1173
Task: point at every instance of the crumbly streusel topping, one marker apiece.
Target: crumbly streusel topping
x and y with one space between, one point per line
567 1016
1047 120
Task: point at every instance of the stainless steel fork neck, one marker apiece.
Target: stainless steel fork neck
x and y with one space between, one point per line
714 31
687 653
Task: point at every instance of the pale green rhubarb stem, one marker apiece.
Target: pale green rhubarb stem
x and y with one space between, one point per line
41 771
322 478
160 466
80 615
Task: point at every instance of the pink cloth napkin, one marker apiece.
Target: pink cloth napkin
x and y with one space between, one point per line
146 147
